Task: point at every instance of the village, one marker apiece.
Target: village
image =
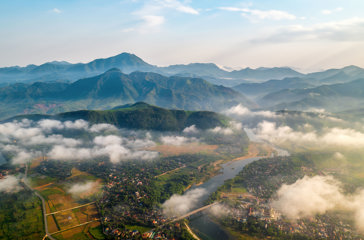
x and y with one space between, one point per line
251 209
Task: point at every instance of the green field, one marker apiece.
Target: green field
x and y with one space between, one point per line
21 216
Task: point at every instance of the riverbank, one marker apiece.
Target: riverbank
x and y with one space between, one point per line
191 232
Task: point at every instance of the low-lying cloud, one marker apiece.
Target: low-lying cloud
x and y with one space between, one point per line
177 140
19 139
240 111
191 129
178 205
114 147
9 184
81 188
231 129
219 210
332 137
317 195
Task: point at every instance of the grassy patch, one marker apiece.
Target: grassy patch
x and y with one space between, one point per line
237 189
139 228
96 232
51 191
41 180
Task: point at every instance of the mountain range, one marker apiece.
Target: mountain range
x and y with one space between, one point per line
335 97
114 88
127 63
60 86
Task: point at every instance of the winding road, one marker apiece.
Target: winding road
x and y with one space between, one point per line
44 209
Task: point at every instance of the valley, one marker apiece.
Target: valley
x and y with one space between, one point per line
129 155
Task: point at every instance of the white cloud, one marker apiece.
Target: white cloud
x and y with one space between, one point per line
240 111
80 188
219 210
48 124
178 6
308 196
108 140
24 156
9 184
51 139
16 138
78 124
102 127
255 14
233 127
114 147
176 140
332 137
351 29
223 131
178 205
56 10
330 11
190 129
317 195
60 152
153 20
153 14
154 6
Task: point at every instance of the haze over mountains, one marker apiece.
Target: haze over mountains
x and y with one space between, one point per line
56 87
114 88
127 63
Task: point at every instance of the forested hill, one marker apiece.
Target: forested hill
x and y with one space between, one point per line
140 116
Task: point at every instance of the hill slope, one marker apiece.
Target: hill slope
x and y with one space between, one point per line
141 116
335 97
260 89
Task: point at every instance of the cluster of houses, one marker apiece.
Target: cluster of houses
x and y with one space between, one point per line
319 227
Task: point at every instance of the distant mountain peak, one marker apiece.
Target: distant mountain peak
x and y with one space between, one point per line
59 63
113 70
352 67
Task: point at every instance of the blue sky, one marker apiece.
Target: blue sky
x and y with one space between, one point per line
305 34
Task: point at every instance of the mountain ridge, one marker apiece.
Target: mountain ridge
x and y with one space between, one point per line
128 62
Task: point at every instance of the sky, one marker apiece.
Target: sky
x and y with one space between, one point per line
308 35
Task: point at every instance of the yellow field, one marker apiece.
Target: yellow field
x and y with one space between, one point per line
192 148
58 199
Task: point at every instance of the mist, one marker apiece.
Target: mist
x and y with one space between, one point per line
10 184
331 137
81 188
177 140
21 139
318 195
241 112
219 210
178 205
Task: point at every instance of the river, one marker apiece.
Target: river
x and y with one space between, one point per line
202 225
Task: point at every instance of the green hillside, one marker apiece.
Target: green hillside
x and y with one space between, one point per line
141 116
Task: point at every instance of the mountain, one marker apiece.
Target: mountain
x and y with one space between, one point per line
332 76
140 116
335 97
64 71
255 90
127 63
114 88
264 74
